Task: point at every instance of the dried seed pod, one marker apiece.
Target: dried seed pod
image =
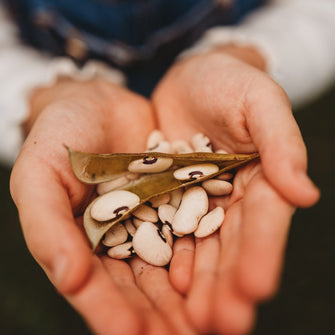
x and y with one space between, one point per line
130 227
176 196
155 137
194 205
121 251
193 172
210 222
158 200
181 147
112 204
201 143
116 235
98 168
217 187
150 245
112 185
146 213
150 164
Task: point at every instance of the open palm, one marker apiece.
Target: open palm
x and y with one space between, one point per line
242 111
101 118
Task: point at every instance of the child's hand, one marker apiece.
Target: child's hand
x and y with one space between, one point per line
225 96
101 118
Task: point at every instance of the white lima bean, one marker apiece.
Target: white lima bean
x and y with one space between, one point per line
164 147
121 251
146 213
217 187
181 147
155 137
116 235
210 222
150 164
108 186
221 151
137 222
201 143
158 200
131 228
112 204
195 171
225 176
194 205
166 231
166 213
133 176
175 197
151 245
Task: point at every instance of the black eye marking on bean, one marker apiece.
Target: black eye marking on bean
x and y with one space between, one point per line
154 147
149 160
131 250
195 174
161 235
169 225
148 203
120 209
93 176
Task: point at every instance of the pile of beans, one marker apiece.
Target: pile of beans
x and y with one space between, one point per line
150 230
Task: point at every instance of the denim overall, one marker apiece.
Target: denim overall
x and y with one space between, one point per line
140 37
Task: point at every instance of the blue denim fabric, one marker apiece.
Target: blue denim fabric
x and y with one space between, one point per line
142 37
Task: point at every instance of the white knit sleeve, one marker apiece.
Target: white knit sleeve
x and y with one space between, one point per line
21 70
295 36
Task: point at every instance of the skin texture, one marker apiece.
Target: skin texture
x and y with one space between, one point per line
214 283
229 96
92 117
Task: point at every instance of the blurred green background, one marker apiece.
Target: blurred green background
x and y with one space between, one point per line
305 304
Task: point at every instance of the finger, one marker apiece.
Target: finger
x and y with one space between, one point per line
122 275
103 306
233 312
121 125
266 221
130 129
199 302
279 142
52 236
154 282
181 265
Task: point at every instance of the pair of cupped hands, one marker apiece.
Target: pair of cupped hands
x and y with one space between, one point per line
213 285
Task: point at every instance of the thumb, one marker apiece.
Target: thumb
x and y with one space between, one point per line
280 145
49 228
